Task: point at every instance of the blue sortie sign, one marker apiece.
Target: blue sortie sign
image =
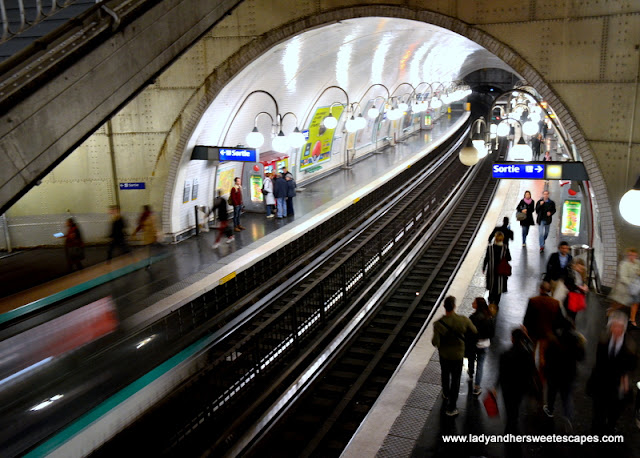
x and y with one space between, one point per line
521 171
124 186
237 154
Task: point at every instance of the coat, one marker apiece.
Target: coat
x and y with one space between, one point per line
291 188
554 271
608 371
508 233
235 197
541 316
495 283
269 198
449 335
280 188
542 208
627 272
529 207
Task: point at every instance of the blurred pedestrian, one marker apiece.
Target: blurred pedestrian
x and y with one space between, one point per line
477 345
609 384
516 376
566 348
525 207
496 261
280 191
267 192
291 193
449 334
118 236
545 209
222 214
536 144
508 233
558 269
625 292
73 245
235 199
147 225
576 283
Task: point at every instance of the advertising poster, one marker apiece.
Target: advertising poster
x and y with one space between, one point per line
318 147
571 210
225 180
194 189
256 188
186 193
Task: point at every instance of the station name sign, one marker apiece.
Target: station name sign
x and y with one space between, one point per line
223 153
551 170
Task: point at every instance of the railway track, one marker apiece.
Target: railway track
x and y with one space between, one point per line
254 363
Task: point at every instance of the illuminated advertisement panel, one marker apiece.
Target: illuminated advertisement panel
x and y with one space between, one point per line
571 210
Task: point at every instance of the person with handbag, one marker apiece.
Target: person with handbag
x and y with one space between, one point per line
477 345
496 267
576 284
449 335
524 214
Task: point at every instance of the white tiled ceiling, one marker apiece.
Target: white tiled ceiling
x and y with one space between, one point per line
352 54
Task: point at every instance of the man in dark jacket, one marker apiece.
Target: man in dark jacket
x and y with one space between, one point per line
542 315
449 338
558 266
545 209
280 190
291 193
118 237
508 233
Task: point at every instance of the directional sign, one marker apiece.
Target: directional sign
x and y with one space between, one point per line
127 186
519 171
237 154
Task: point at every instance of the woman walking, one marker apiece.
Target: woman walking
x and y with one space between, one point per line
73 245
525 207
478 344
495 262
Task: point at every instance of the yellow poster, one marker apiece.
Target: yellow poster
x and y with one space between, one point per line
225 180
318 147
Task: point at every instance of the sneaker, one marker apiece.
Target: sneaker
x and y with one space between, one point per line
215 245
477 390
547 411
230 239
452 413
269 216
242 228
237 229
524 245
541 249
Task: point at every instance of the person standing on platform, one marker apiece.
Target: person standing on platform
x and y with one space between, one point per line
147 225
118 237
220 207
625 292
267 192
449 334
285 173
280 190
545 209
494 261
536 142
508 233
558 266
516 376
477 345
565 350
542 314
235 199
610 383
73 246
526 207
291 193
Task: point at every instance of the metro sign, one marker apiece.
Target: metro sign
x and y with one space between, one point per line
519 171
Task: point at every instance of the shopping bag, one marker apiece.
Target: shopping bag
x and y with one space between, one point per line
491 404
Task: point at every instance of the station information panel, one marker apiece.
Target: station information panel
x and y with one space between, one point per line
540 171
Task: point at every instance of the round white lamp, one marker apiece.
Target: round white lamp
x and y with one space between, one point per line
361 123
373 112
521 151
351 124
469 155
530 128
280 143
330 122
503 129
296 138
436 103
255 139
403 107
481 148
629 205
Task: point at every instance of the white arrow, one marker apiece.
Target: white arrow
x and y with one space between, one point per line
539 169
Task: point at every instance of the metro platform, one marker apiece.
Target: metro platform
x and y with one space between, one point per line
184 271
408 419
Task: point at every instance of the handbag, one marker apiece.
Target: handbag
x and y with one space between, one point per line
577 301
520 216
504 268
490 403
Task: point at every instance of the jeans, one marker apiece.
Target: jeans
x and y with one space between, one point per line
290 206
450 376
525 232
282 206
566 394
543 231
479 356
237 209
269 209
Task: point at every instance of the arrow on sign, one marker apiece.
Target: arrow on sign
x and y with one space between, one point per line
539 169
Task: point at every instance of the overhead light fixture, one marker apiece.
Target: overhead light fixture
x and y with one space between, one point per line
521 151
436 103
255 139
296 138
503 129
373 112
351 125
630 203
280 143
330 122
530 128
469 154
361 123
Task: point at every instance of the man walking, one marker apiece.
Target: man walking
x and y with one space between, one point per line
449 338
558 266
545 208
235 199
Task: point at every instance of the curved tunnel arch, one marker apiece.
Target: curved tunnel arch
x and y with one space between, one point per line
205 95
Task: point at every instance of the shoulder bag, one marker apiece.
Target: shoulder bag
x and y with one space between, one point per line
577 301
504 268
520 216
